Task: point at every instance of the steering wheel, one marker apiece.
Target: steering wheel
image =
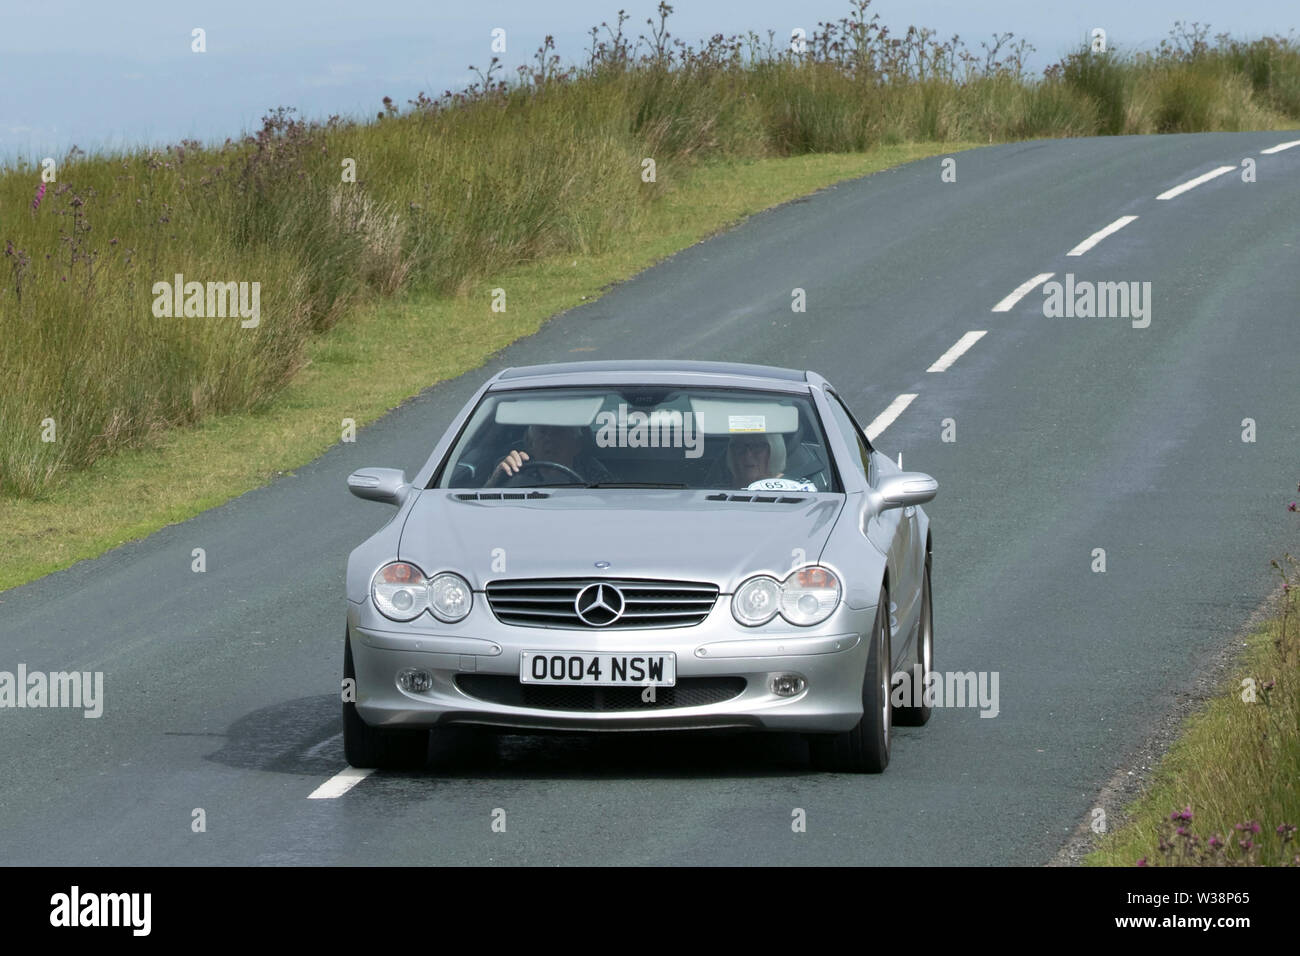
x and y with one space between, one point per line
539 463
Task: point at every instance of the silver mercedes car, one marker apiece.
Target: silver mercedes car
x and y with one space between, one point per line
642 545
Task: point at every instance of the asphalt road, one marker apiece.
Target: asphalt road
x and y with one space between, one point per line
1071 434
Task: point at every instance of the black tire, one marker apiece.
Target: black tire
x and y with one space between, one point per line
367 747
917 714
865 748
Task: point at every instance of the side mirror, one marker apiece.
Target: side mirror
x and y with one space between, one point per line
380 484
905 489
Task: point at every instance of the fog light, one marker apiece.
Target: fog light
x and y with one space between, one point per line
787 685
415 680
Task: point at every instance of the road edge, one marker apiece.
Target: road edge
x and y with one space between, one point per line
1209 679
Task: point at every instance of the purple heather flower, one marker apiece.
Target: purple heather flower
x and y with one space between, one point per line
1142 862
40 194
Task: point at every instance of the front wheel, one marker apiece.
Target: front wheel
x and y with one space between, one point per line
367 747
865 748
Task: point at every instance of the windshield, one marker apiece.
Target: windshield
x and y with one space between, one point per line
642 437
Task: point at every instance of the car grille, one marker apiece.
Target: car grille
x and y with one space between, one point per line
549 602
689 692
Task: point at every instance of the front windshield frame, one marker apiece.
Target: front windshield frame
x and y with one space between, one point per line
809 417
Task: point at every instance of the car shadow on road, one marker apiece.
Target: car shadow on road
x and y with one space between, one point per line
304 737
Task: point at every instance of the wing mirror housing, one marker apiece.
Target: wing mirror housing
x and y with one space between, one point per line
388 485
905 489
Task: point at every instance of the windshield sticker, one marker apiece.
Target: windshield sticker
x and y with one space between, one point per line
780 484
746 423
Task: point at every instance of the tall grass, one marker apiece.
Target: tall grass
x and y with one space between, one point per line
449 190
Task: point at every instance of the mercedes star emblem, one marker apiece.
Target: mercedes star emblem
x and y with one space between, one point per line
599 605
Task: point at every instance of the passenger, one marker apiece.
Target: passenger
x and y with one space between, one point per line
754 457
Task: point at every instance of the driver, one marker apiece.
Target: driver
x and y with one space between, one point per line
561 444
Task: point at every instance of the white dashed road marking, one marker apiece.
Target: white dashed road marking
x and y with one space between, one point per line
1281 146
886 418
1101 234
339 784
956 352
1193 183
1021 291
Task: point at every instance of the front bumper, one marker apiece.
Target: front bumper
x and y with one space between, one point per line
475 670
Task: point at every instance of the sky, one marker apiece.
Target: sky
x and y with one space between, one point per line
120 75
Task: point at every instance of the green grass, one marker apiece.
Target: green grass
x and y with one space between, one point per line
1235 767
349 371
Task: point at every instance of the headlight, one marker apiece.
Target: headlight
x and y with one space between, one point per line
450 597
809 595
400 591
756 601
806 597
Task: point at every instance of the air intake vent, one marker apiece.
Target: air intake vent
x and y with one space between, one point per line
762 499
501 495
689 692
623 603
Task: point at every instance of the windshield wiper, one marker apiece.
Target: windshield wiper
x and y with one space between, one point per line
636 484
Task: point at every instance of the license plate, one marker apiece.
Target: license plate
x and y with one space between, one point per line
583 668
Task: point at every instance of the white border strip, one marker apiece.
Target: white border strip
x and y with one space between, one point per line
956 352
1193 183
1101 234
1021 291
339 784
886 418
1279 147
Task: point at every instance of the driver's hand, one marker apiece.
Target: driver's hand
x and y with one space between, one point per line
511 464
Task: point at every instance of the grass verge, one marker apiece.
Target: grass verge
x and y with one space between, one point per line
350 373
1226 794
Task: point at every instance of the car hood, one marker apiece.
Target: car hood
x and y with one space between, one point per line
675 535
